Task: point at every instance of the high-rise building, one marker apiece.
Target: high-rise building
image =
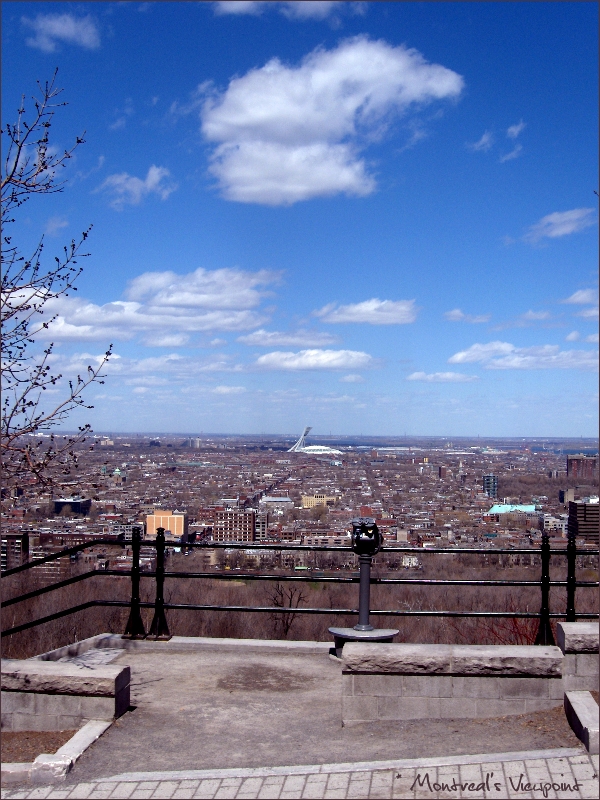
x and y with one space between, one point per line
584 521
582 466
261 525
490 485
14 550
234 526
566 496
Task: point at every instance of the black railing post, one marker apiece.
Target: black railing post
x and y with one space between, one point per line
135 625
159 628
571 585
544 634
364 595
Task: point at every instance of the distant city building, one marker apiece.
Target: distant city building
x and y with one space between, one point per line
312 449
261 525
76 505
442 472
234 526
490 486
310 501
582 466
584 520
280 504
555 524
174 522
123 532
14 550
566 496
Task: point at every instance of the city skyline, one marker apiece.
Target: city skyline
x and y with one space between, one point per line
377 218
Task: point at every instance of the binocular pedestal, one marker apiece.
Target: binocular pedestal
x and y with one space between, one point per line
343 635
366 541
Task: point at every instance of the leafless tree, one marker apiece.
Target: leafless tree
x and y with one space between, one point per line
30 167
285 596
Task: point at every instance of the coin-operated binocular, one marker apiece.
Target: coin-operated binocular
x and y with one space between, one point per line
366 539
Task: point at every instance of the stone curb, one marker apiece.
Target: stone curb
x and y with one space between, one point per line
53 767
190 643
582 712
361 766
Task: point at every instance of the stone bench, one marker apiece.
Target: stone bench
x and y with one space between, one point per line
579 644
48 696
422 681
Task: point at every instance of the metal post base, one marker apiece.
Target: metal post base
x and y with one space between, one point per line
343 635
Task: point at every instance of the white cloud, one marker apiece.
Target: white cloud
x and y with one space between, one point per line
535 316
262 338
483 145
514 153
299 10
315 359
481 352
560 223
239 7
228 390
165 306
352 378
456 315
50 29
588 313
442 377
546 357
128 190
309 9
285 134
515 130
583 297
502 355
592 338
55 224
572 337
373 312
166 340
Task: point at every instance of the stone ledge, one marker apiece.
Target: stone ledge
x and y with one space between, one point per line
582 712
577 637
50 677
458 660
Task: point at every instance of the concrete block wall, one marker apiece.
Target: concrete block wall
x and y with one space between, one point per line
578 642
47 696
404 682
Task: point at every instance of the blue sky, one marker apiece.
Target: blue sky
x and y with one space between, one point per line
372 218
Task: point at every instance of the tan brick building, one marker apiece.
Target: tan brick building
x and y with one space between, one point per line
174 521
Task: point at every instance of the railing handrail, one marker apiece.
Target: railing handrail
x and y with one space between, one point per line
249 576
159 628
288 610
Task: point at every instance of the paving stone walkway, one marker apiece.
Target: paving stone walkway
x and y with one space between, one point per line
561 773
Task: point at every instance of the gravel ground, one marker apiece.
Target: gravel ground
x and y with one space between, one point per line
23 746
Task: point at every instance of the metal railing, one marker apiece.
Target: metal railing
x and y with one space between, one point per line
159 628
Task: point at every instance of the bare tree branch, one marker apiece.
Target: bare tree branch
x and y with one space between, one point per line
31 167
